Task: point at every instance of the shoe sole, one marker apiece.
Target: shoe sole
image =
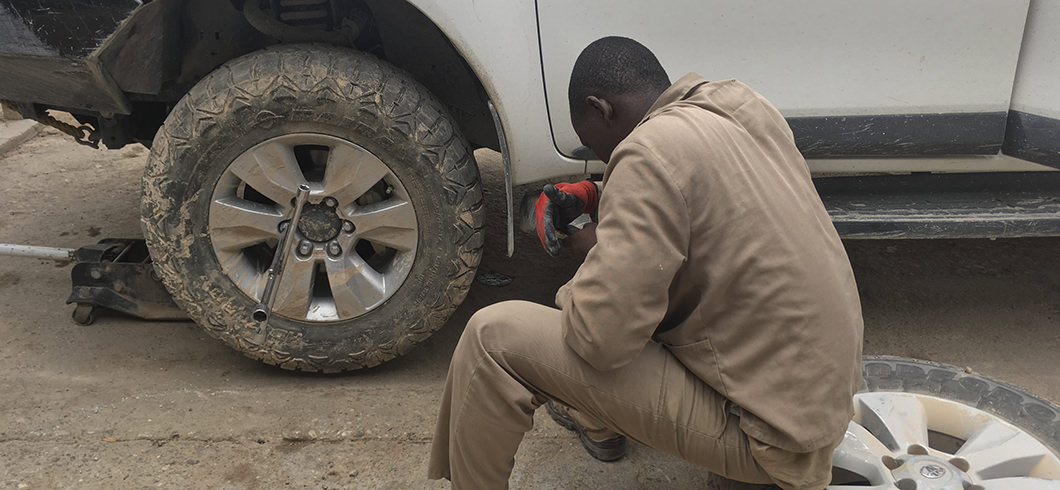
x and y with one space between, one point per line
608 450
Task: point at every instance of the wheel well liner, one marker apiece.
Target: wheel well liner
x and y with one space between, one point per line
180 41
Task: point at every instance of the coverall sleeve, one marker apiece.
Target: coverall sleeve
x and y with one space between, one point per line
620 294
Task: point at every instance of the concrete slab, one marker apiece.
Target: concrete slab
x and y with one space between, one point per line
14 133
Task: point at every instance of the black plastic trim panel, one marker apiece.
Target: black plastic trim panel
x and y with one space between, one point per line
983 205
1033 138
899 135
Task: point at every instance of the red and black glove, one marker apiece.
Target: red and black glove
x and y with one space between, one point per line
558 206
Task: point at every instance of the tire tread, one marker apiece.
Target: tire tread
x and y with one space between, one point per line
1029 412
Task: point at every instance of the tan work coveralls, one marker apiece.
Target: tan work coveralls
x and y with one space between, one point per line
716 319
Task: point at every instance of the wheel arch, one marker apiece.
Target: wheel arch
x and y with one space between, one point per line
167 46
415 43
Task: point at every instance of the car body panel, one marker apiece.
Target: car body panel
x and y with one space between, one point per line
48 52
61 83
855 79
68 54
70 29
1037 87
1033 131
498 39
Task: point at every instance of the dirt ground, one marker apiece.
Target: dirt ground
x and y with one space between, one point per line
132 404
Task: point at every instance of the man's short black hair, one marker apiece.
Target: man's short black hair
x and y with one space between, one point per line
615 66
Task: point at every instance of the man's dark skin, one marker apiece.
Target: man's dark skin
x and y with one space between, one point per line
606 121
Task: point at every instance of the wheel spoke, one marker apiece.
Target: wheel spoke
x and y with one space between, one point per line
862 453
248 278
1024 483
271 169
295 287
898 420
996 450
355 285
237 223
391 223
351 172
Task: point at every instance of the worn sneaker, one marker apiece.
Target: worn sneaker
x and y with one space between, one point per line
718 482
610 449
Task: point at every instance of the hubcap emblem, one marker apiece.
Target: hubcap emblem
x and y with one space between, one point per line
932 471
319 223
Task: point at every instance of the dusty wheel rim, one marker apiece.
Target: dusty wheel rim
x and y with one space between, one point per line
912 441
354 245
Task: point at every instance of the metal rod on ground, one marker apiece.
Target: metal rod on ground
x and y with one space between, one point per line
50 253
279 260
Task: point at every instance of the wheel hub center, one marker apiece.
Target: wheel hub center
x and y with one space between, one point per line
932 471
924 472
319 222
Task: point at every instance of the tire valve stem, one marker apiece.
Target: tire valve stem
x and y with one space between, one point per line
263 309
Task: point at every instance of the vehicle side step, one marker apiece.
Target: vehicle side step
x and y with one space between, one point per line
981 205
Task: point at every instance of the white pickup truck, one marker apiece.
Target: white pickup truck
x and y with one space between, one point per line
312 198
922 119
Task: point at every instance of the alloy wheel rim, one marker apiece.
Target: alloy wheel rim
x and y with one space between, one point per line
354 245
920 442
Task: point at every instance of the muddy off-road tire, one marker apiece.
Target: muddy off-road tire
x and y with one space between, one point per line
925 425
396 207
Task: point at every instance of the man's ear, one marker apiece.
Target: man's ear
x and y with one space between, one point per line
602 107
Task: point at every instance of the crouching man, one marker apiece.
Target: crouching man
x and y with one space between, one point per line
715 318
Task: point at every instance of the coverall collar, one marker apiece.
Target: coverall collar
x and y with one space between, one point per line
680 90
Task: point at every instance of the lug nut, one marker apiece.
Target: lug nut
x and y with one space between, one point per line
347 226
330 202
305 247
334 249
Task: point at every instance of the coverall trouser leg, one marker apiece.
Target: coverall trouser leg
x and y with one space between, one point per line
512 358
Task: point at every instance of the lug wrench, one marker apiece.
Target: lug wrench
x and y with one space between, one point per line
279 261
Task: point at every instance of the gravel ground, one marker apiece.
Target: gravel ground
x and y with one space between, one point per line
132 404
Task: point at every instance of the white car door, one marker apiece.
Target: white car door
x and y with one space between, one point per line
855 78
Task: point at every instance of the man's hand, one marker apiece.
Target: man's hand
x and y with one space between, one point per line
560 204
582 240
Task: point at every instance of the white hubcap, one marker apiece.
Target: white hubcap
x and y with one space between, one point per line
920 442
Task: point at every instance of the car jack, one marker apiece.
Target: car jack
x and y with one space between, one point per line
115 274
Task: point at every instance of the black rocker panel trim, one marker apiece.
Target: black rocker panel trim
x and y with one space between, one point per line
1033 138
899 135
922 205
